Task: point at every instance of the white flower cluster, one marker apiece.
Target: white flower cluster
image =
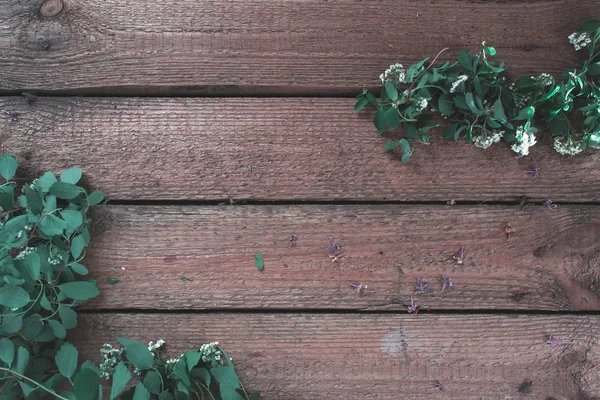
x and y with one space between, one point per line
579 40
456 84
544 79
568 148
486 141
421 103
32 185
595 138
25 253
211 354
522 101
110 359
525 139
395 73
155 346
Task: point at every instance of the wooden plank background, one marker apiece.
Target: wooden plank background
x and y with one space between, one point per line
550 263
272 149
264 46
200 184
333 356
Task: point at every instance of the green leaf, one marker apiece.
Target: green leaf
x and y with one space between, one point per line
392 144
526 113
361 102
445 105
51 225
372 99
73 218
66 191
165 395
12 323
379 120
141 393
192 358
85 384
594 69
119 380
203 374
405 158
45 182
96 197
471 103
14 297
81 290
79 268
392 118
7 351
464 58
72 175
8 166
225 376
152 382
490 51
181 372
66 360
137 353
67 316
391 91
112 281
230 393
59 330
34 200
498 111
589 25
77 246
31 265
260 264
22 360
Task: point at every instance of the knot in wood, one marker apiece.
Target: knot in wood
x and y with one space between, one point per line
51 8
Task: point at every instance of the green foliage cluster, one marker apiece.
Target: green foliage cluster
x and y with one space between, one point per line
44 231
484 106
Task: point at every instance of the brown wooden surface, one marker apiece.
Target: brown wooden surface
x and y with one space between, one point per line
328 356
296 148
550 263
263 46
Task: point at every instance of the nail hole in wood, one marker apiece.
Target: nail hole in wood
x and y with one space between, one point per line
52 8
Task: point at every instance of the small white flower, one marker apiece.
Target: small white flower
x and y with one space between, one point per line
567 147
457 83
395 73
595 138
421 104
579 40
525 139
484 142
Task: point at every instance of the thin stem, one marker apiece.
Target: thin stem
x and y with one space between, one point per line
52 392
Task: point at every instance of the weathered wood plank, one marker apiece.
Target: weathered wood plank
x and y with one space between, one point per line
271 149
550 263
267 46
355 356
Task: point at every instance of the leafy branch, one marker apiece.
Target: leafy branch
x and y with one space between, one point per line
44 231
484 106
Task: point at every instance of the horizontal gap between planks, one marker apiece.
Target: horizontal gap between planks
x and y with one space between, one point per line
335 311
204 91
341 202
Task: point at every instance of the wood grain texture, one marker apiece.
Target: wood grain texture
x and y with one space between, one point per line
309 356
297 148
552 262
264 46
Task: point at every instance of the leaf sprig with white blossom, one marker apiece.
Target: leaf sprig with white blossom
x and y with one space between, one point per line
485 107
